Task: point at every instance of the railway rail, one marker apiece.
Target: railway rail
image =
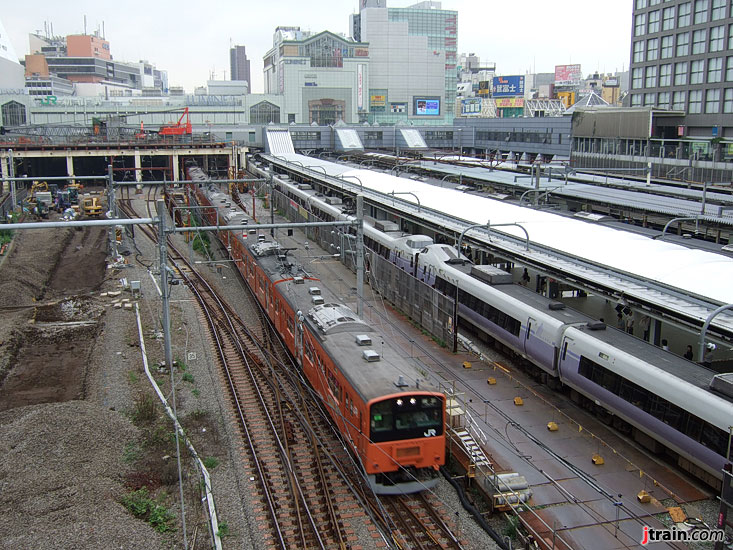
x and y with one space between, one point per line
310 485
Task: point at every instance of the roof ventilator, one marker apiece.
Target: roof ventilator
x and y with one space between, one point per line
401 382
556 306
363 340
370 356
596 325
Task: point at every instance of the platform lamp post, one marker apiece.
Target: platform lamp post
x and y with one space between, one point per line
165 295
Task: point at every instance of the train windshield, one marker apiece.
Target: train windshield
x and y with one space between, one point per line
406 417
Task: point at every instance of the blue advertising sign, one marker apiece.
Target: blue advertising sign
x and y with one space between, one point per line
508 86
427 106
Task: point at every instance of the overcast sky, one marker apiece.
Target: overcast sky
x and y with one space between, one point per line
191 40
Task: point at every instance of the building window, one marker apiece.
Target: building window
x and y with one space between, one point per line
695 104
712 101
718 11
640 4
683 44
639 51
729 70
728 101
264 113
680 74
668 19
701 11
683 14
653 21
697 68
678 101
14 114
651 78
652 49
698 41
715 70
636 100
667 46
640 24
637 78
665 75
650 99
663 99
717 39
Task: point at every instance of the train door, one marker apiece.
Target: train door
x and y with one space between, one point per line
565 362
531 325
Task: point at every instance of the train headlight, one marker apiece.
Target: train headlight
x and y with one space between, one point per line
413 401
399 402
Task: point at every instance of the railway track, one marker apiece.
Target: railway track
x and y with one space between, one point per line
312 488
420 524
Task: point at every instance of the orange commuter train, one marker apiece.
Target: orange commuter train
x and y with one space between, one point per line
392 418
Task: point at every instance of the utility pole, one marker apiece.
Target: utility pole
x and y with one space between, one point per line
360 256
272 206
112 209
163 249
11 171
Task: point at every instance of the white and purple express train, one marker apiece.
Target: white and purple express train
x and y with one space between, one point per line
668 403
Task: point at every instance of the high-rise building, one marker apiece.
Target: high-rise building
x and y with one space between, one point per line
11 72
413 53
682 60
239 65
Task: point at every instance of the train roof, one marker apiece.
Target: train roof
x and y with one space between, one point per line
368 358
676 268
671 363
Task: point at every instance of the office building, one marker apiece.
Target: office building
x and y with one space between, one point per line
412 60
83 65
322 76
682 60
239 65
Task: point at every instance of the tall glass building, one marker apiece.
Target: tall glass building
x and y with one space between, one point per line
413 53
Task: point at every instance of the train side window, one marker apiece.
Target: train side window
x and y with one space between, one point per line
564 350
714 439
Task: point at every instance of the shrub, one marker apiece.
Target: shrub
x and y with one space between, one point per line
142 506
145 409
211 462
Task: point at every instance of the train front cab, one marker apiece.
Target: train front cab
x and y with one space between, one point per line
406 442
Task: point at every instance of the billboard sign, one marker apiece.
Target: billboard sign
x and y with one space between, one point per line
568 74
360 87
378 100
508 86
427 106
471 106
510 102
